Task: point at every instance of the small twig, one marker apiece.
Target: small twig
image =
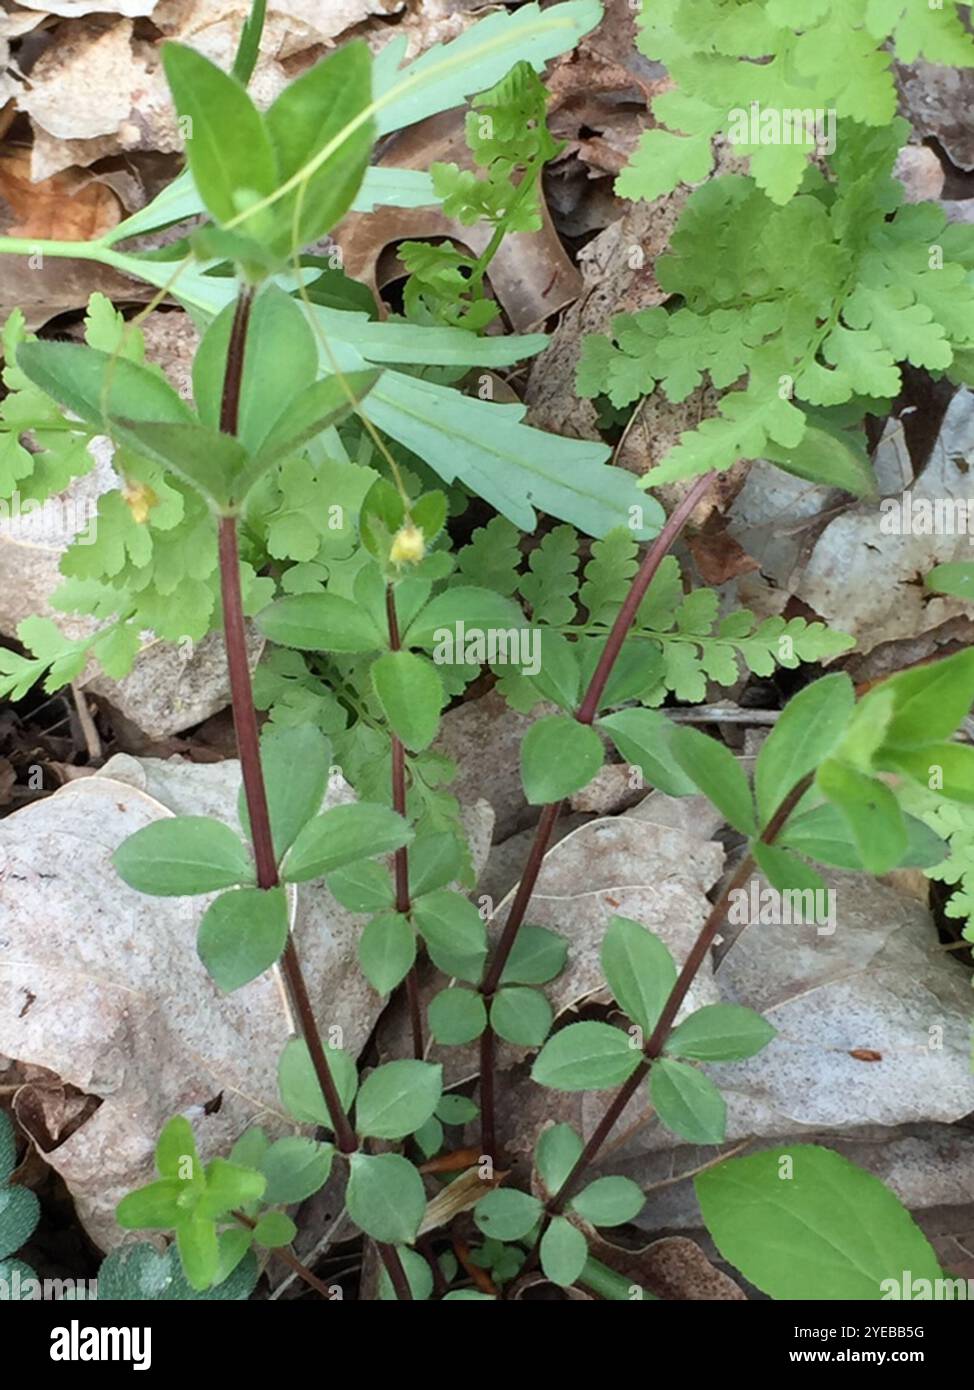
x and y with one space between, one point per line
723 714
284 1253
88 728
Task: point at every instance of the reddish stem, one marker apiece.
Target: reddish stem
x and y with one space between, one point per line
586 713
248 748
678 993
401 859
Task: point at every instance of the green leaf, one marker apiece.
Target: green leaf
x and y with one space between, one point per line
397 1098
365 886
295 1168
521 1016
954 578
429 1137
802 1222
947 768
506 1214
475 610
411 695
209 461
720 1033
810 726
154 1207
274 1229
183 855
564 1251
586 1057
310 115
457 1016
446 74
229 1185
688 1102
248 45
713 768
337 837
227 146
242 934
139 1273
784 870
19 1214
295 763
823 834
419 1276
298 1082
517 469
454 932
312 411
456 1110
930 702
320 623
176 1151
609 1201
828 459
434 860
280 362
386 951
558 756
199 1250
871 811
537 956
558 1150
139 408
385 1197
639 970
8 1148
642 737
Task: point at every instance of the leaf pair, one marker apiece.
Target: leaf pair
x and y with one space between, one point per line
279 180
191 1199
597 1056
283 406
243 932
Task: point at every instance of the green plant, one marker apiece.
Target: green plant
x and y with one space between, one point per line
804 285
19 1213
226 512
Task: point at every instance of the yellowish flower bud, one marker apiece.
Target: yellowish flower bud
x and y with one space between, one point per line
141 499
408 546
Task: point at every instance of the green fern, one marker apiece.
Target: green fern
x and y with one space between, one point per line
828 55
812 306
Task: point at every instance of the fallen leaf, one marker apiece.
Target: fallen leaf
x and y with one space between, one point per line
673 1268
61 208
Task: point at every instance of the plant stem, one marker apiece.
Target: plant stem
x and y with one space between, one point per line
401 859
389 1256
586 713
627 613
290 1259
255 791
678 993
